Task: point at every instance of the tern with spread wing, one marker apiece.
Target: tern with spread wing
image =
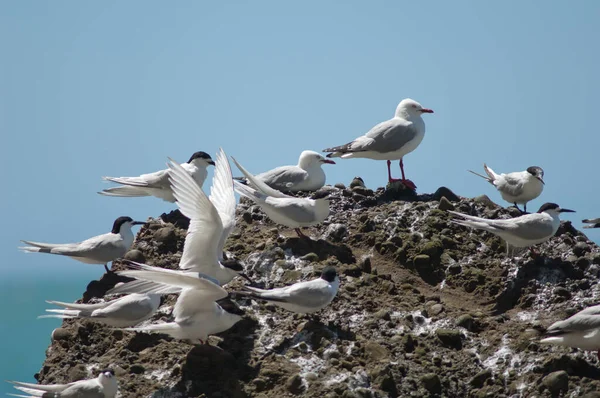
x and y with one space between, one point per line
303 297
283 209
518 187
308 175
196 313
157 183
100 249
524 231
123 312
581 330
103 386
389 140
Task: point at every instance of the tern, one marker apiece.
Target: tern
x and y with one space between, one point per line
303 297
105 385
157 183
389 140
523 231
100 249
518 187
593 223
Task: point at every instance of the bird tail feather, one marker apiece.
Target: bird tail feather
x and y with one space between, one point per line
125 192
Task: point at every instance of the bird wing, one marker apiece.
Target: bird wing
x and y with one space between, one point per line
529 226
295 209
77 306
593 310
131 307
103 248
158 179
143 286
511 183
309 294
192 301
39 387
283 177
387 136
84 388
576 323
200 250
258 184
222 197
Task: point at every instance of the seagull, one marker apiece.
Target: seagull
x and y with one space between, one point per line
306 176
518 187
157 183
523 231
284 209
389 140
303 297
594 223
105 385
581 330
196 313
211 222
100 249
123 312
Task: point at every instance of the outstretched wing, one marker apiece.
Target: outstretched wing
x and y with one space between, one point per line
223 198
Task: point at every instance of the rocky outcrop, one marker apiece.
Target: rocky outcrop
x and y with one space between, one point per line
426 308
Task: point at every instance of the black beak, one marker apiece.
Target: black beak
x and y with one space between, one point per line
210 162
540 178
566 211
246 277
138 223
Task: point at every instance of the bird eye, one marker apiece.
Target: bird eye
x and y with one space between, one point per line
414 106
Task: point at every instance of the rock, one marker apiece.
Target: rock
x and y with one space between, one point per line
480 378
60 334
365 265
339 185
436 309
383 314
486 201
77 372
135 255
310 257
335 232
580 249
375 352
447 193
432 383
445 204
432 248
137 369
294 384
556 382
357 182
465 321
362 191
165 236
450 338
247 217
421 260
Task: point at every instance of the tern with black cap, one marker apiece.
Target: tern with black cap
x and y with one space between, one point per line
157 183
389 140
523 231
302 297
100 249
518 187
592 223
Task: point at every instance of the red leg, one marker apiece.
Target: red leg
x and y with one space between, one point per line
390 179
409 184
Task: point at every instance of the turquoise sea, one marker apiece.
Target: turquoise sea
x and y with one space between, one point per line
23 337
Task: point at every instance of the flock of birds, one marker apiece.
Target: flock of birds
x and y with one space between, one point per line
204 268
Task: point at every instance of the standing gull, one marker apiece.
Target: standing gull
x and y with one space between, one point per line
157 183
123 312
517 187
103 386
284 209
100 249
524 231
306 176
581 330
389 140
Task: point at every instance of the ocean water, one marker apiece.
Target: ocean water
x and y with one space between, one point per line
23 337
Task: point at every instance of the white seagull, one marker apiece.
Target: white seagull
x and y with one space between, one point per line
306 176
303 297
103 386
594 223
581 330
523 231
284 209
389 140
123 312
196 313
100 249
157 183
518 187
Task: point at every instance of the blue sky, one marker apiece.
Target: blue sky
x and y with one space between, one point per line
113 88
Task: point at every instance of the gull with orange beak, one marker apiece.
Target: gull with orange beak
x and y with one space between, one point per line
389 140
